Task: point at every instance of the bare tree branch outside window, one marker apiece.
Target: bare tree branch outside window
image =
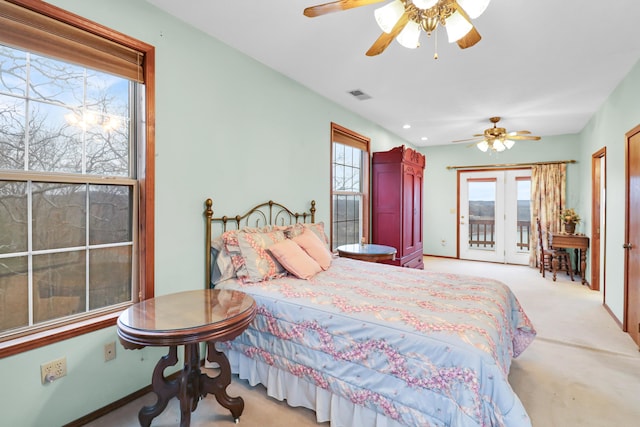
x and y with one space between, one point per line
67 190
347 194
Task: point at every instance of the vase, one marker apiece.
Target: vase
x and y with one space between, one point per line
569 227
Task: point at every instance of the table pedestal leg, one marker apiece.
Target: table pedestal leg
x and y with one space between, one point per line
191 385
218 385
189 392
163 389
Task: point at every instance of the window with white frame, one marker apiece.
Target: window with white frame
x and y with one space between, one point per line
349 188
71 137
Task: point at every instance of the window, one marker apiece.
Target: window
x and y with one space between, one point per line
76 175
350 186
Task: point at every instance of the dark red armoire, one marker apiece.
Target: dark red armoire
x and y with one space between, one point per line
396 203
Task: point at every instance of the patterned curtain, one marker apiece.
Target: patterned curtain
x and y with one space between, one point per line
548 185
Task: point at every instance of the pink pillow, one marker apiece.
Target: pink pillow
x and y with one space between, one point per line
313 246
295 259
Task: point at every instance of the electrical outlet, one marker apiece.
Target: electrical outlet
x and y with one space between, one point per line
110 351
51 371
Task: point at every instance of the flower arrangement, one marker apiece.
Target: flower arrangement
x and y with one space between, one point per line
569 216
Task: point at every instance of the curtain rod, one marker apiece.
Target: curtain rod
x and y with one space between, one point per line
509 165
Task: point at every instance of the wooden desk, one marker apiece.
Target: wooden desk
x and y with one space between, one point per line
367 252
579 243
188 318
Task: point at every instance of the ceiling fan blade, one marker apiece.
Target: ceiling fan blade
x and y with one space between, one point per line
524 137
336 6
470 39
385 39
467 140
473 36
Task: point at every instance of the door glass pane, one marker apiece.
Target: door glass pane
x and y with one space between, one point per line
482 214
524 214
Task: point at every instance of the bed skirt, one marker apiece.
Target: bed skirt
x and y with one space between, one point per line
283 385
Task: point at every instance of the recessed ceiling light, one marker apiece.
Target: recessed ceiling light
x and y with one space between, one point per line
424 138
407 126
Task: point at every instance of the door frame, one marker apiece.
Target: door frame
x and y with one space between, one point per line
598 227
497 253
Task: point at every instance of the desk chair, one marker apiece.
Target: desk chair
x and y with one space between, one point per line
552 259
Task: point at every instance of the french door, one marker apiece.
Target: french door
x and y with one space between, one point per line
495 215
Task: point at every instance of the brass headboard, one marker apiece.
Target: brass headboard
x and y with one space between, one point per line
268 213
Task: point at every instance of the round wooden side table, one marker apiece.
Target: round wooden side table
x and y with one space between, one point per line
367 252
187 319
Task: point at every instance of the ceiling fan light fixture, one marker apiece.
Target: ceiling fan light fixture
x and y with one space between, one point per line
393 17
497 139
409 37
474 8
429 24
424 4
457 27
387 15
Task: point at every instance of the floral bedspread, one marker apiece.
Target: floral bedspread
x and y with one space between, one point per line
423 348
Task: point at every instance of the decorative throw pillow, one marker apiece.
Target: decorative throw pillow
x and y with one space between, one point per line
232 247
295 259
230 240
312 245
317 228
258 262
221 265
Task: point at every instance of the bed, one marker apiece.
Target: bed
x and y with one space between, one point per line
366 344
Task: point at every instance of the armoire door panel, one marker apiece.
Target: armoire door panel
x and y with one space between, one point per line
407 214
388 230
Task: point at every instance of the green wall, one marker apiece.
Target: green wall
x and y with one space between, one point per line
230 129
618 115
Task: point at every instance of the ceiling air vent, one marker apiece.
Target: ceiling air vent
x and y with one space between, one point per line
359 94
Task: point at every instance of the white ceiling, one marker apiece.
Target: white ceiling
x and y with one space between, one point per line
542 65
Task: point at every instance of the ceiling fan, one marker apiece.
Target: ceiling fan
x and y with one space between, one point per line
404 20
497 138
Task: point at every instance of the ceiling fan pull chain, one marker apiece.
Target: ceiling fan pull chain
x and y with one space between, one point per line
435 55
